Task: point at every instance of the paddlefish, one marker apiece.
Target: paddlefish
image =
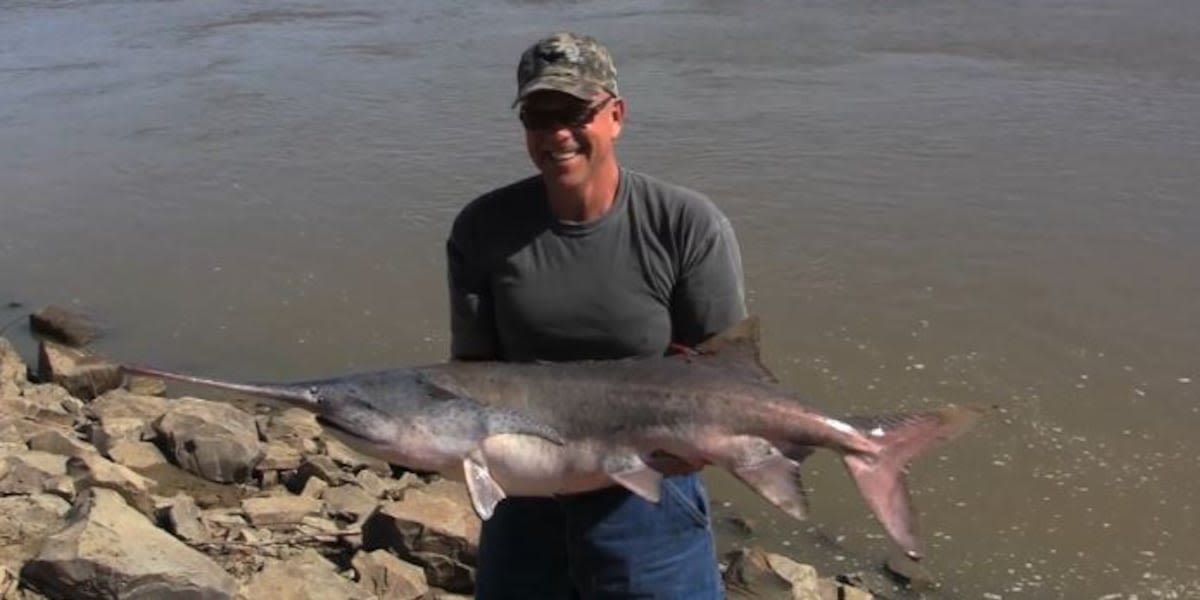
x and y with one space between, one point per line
548 429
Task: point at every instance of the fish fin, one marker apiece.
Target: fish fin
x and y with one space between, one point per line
777 478
737 347
629 470
485 493
760 465
880 476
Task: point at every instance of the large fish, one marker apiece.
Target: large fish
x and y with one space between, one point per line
544 429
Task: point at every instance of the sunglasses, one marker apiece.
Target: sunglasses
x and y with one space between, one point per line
573 116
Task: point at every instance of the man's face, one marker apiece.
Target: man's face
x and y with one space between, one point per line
569 139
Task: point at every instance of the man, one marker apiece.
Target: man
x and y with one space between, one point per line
589 260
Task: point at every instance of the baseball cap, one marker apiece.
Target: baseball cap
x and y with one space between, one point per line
566 62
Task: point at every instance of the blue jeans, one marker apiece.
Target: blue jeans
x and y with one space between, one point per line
604 544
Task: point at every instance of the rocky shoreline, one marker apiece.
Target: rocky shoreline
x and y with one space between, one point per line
108 489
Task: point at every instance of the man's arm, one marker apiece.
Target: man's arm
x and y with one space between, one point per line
709 294
472 319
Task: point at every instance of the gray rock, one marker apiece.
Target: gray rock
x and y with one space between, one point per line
348 502
803 578
215 441
61 486
25 521
17 430
307 576
314 488
873 583
295 427
145 386
60 441
124 403
371 483
136 455
96 471
110 550
753 573
55 397
120 417
279 456
8 583
844 591
354 461
183 518
386 488
434 527
108 432
84 375
279 510
268 479
62 325
320 467
316 525
389 578
30 472
12 369
220 521
396 488
42 407
443 571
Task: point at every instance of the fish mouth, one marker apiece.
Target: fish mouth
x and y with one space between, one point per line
342 431
368 440
354 439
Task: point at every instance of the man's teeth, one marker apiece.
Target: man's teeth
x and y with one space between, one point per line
563 155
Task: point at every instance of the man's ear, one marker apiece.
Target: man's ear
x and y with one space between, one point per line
618 116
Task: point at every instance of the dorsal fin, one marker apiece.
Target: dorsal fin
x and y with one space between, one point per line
737 346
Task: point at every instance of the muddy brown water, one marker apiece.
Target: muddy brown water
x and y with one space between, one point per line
938 202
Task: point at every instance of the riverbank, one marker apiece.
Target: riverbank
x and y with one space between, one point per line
110 489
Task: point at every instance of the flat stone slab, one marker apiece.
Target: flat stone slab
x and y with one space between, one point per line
110 550
279 510
83 374
307 576
63 325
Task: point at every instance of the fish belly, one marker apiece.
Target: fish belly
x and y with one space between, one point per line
530 466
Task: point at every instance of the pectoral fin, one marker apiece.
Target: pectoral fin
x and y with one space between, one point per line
629 470
484 491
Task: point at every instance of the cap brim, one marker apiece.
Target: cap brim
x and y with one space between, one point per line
584 90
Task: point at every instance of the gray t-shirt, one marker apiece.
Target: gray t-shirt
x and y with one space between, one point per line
661 266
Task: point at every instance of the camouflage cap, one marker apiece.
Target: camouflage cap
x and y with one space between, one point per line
566 62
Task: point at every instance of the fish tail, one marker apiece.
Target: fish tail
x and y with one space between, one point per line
880 475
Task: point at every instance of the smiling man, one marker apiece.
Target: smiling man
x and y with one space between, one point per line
590 260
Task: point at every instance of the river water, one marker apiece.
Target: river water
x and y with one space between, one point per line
989 202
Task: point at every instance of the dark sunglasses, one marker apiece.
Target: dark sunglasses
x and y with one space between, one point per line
573 116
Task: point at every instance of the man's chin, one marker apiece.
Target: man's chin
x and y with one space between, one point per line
562 178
